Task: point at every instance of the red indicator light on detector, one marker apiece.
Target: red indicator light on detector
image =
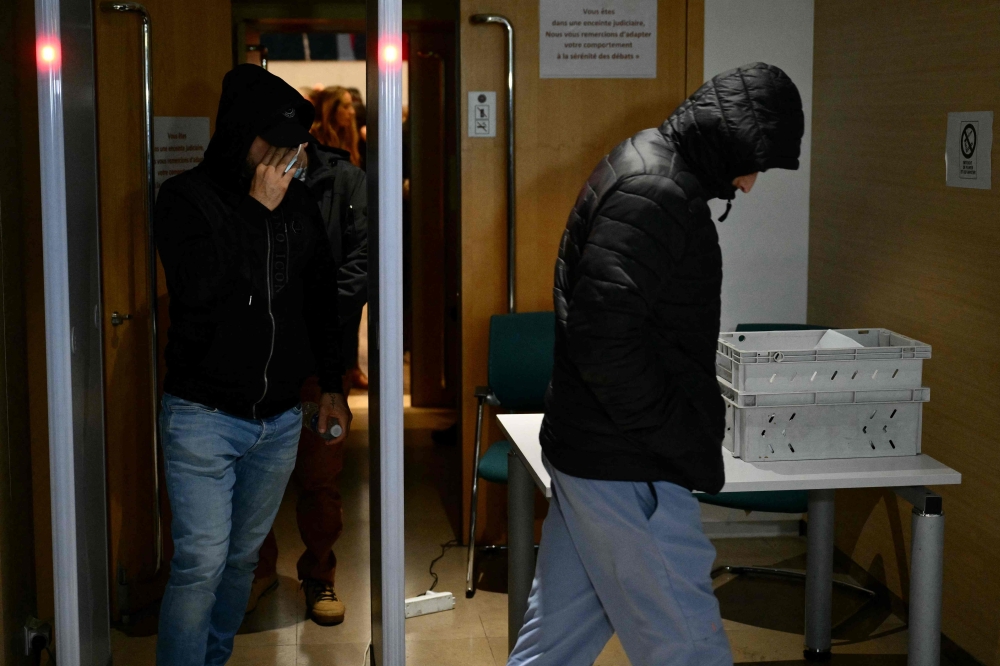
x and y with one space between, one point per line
48 54
390 53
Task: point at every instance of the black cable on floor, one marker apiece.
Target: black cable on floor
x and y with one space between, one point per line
445 547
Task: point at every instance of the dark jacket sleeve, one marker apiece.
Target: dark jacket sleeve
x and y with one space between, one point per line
352 277
201 262
321 312
623 265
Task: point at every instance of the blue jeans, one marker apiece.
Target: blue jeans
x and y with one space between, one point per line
622 557
225 477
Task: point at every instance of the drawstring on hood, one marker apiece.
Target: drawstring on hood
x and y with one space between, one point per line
729 207
743 121
251 100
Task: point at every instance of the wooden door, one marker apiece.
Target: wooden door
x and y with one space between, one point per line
192 50
433 219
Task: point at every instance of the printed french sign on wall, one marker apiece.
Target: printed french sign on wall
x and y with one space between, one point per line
179 144
968 149
597 39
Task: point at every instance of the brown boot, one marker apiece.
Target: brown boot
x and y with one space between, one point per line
261 587
322 603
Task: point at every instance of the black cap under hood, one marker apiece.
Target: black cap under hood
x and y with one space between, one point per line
745 120
252 100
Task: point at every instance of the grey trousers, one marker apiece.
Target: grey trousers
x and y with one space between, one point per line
626 558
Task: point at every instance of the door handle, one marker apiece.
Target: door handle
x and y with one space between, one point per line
117 318
146 33
482 19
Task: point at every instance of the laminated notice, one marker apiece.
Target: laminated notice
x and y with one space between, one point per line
583 39
968 149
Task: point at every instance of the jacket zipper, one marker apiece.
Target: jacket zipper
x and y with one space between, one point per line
270 313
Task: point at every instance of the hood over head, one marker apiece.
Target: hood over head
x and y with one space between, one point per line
745 120
253 101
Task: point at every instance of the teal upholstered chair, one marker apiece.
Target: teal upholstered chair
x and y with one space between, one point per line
777 501
520 367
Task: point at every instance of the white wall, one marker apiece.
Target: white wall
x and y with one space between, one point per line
323 73
765 239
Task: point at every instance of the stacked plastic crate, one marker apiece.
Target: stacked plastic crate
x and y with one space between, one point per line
801 395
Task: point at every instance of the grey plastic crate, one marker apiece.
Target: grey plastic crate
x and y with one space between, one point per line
816 430
786 362
741 399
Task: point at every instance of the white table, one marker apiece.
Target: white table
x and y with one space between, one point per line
907 475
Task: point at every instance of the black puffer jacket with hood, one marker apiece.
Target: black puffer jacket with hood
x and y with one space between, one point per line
638 287
250 316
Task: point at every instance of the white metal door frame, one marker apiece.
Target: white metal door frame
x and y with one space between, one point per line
71 245
385 327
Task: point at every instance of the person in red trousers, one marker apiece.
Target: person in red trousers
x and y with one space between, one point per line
339 188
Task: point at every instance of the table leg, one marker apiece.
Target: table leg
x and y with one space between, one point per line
926 571
819 575
520 544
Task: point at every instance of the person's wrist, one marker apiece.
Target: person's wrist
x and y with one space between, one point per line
262 201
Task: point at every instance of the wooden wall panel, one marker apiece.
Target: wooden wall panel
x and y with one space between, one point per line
432 218
19 208
192 51
564 127
891 246
695 44
34 320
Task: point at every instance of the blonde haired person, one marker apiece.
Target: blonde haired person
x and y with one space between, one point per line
335 124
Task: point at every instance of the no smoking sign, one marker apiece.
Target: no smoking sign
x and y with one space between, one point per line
967 146
969 140
482 114
967 149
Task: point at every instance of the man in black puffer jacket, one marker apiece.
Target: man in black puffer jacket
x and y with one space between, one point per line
634 419
249 272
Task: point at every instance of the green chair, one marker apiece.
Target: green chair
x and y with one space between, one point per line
777 501
519 371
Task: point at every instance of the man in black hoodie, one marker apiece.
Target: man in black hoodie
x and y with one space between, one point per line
634 418
249 270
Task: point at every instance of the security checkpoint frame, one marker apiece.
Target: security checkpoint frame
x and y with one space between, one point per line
71 257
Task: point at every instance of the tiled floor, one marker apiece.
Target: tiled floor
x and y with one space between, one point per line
763 617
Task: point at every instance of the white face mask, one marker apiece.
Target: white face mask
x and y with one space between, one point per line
300 173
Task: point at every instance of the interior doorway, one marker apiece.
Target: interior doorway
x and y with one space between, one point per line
325 49
313 54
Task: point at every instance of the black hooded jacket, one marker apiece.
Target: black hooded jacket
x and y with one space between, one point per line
638 287
340 189
249 320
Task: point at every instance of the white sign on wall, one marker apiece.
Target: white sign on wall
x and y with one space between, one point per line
597 39
968 148
482 114
178 144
